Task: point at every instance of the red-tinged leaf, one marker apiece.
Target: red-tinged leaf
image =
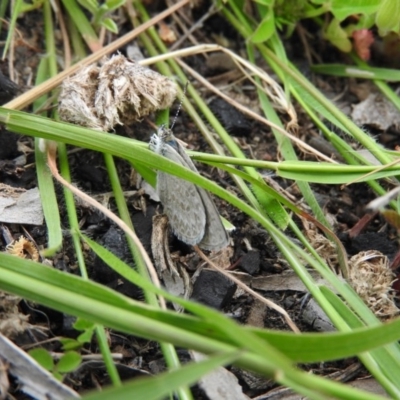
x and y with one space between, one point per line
362 41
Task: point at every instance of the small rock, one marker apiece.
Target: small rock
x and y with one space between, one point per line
232 119
250 262
213 289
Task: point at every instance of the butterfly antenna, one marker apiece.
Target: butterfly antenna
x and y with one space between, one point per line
180 105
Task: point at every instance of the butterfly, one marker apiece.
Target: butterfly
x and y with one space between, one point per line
192 214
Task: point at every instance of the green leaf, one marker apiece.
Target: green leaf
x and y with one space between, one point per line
305 347
82 324
122 147
385 74
342 9
88 329
49 202
86 336
43 357
312 347
265 29
114 4
58 376
45 180
146 173
338 36
166 325
70 344
91 5
387 18
331 173
81 22
102 10
69 362
110 25
27 7
271 206
267 3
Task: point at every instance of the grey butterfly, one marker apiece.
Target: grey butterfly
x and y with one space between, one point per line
192 214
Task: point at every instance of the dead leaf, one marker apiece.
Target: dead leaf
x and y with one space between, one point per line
167 35
376 110
20 206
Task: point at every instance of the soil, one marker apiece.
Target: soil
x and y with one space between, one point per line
253 252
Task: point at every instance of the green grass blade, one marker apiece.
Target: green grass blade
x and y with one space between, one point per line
384 74
96 303
49 202
160 386
82 24
332 173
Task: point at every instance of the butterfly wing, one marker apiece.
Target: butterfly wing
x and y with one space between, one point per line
215 236
182 202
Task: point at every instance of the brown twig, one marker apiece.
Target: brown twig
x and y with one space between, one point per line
64 35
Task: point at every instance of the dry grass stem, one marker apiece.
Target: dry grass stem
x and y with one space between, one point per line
23 248
325 248
256 116
64 34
